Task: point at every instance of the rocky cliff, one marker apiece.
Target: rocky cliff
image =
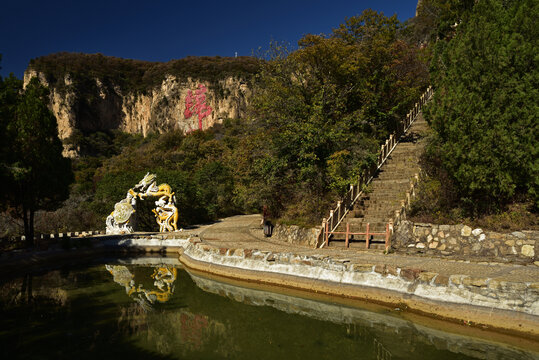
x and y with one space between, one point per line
88 95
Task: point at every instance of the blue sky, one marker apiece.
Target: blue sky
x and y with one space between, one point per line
157 30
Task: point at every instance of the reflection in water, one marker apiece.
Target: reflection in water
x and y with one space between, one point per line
195 329
164 277
389 335
82 313
380 351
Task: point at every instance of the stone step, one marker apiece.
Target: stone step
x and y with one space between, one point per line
381 198
379 204
402 175
373 195
373 208
367 216
401 172
378 181
389 188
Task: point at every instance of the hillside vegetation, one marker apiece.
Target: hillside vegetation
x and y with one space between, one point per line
317 118
137 75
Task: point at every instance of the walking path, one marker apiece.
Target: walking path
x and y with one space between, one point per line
245 232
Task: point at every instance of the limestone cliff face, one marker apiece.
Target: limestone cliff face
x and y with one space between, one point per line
176 104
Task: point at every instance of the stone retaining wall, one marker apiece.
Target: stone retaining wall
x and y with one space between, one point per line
460 289
294 234
463 242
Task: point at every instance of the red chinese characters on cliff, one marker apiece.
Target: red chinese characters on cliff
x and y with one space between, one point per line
196 104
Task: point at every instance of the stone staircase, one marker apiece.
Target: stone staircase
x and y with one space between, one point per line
386 191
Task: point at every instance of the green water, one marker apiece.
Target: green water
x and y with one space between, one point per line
155 310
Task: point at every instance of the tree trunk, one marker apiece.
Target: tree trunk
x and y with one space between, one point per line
31 225
29 295
28 230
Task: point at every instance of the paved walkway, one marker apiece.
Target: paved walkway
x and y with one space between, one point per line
245 232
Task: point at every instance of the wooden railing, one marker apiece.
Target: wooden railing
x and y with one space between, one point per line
355 191
367 234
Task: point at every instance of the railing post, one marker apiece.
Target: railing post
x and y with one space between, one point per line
387 237
327 233
331 217
323 231
339 203
347 234
367 237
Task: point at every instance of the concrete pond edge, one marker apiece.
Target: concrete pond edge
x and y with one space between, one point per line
508 307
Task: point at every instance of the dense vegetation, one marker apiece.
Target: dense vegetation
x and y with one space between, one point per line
137 75
485 154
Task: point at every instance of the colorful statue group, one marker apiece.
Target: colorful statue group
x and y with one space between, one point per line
122 219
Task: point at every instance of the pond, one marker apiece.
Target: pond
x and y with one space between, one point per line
152 308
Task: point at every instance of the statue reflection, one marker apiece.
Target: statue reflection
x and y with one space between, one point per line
163 276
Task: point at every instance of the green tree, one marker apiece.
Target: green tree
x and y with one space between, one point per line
38 174
437 19
485 106
9 96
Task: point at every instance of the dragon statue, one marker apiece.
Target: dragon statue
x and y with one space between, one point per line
122 219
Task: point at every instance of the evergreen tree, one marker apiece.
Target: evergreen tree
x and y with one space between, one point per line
485 106
9 96
38 176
